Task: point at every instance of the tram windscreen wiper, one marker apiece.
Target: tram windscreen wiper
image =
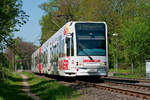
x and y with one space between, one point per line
81 47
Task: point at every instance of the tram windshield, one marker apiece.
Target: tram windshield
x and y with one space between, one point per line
90 39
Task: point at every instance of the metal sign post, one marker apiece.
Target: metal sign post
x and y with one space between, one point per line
147 69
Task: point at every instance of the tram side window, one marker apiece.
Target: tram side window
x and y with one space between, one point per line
46 59
72 47
32 62
36 61
68 46
56 48
41 57
50 53
54 52
59 49
62 48
45 56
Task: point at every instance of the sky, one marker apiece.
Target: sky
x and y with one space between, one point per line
31 31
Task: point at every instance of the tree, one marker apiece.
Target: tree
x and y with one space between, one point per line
22 51
135 40
116 13
55 17
11 15
25 50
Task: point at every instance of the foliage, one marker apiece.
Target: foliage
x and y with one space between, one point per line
20 53
3 60
138 73
11 15
48 27
128 18
135 40
54 18
11 18
4 73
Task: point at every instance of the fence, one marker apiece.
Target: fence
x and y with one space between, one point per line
124 68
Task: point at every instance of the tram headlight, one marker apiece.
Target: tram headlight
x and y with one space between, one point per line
103 64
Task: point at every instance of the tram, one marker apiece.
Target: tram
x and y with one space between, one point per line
77 49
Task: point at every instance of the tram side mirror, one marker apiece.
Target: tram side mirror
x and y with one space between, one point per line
69 35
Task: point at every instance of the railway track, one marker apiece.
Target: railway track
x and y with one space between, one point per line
116 87
121 88
124 86
130 85
124 91
132 80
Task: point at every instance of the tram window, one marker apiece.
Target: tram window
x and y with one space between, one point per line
68 46
72 47
45 56
59 48
36 62
68 41
62 48
41 57
37 58
50 52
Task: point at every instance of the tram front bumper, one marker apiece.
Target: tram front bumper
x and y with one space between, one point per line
91 72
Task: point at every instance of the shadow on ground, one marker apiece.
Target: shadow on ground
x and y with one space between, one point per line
12 90
51 90
15 79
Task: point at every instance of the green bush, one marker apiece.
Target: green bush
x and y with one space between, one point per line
4 73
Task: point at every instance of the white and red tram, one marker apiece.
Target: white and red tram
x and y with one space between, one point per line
77 49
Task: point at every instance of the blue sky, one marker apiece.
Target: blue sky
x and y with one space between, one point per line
31 31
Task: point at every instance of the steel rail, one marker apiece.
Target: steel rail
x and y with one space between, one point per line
128 79
116 90
130 85
124 91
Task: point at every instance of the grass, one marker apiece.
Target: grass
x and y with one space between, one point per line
11 89
138 73
121 70
130 75
50 89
